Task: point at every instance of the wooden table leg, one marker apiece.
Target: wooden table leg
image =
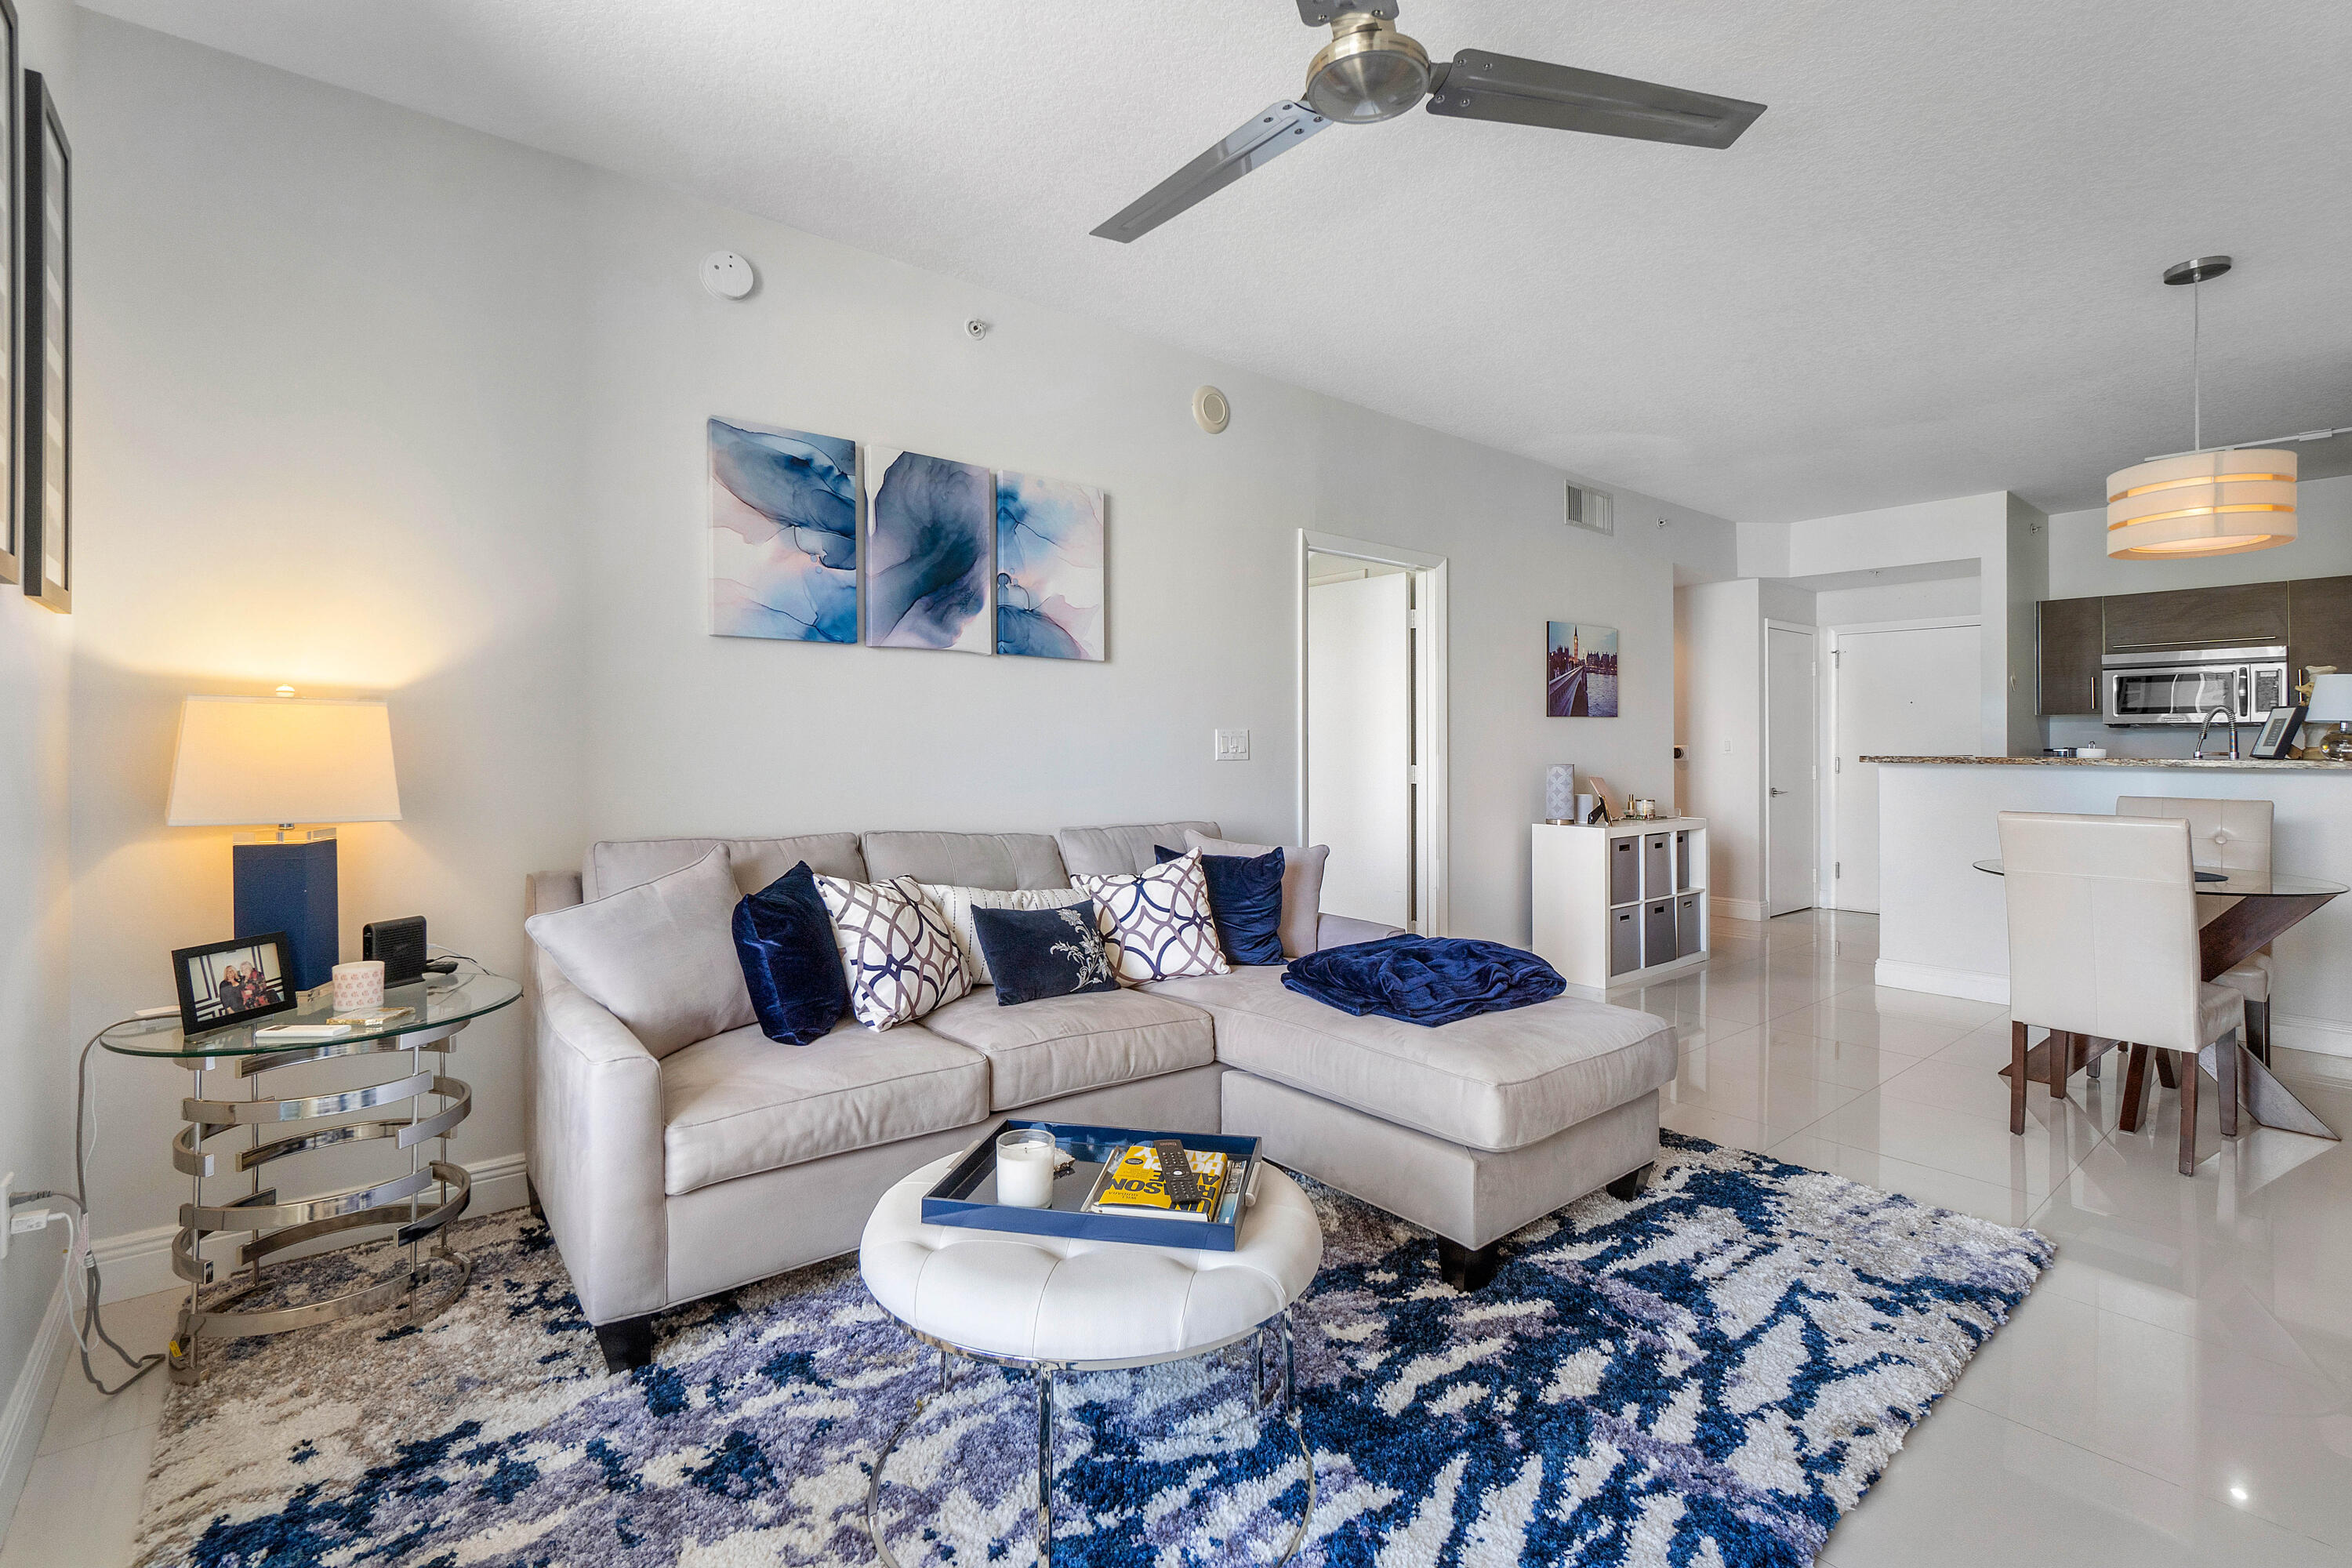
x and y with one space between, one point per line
2135 1087
2163 1073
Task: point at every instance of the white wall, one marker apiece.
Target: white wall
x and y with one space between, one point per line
37 1047
1931 599
381 404
1721 626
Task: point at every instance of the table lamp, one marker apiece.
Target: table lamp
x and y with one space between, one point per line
248 761
2331 703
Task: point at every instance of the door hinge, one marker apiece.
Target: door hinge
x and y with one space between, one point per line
1837 764
1837 868
1412 619
1413 772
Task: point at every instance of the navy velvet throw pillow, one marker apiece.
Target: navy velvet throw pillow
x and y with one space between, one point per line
1245 899
784 941
1037 954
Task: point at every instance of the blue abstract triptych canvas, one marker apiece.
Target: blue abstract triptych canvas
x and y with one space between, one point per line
955 556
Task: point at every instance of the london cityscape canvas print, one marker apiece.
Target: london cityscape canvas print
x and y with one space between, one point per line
928 528
1049 567
1579 670
783 534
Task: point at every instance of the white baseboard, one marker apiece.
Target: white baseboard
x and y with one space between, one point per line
1971 984
2322 1036
139 1262
1737 908
27 1413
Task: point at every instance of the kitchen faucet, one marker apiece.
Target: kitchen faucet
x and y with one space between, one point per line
2227 718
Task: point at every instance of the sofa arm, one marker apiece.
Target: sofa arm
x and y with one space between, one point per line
596 1155
1338 930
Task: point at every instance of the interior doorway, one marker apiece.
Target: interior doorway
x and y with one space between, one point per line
1905 689
1792 706
1371 704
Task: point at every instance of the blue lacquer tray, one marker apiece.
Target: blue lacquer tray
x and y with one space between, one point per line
966 1196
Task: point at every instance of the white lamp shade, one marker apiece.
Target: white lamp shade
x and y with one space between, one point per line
2207 503
250 762
2331 700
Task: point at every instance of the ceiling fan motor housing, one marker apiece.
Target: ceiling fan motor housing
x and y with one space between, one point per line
1368 72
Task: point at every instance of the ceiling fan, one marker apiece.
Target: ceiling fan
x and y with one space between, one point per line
1369 72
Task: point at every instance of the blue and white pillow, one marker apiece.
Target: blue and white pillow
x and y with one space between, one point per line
899 956
1039 953
1157 924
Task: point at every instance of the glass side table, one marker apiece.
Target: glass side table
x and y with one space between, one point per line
420 1203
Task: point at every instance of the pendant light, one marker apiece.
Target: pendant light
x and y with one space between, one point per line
2209 501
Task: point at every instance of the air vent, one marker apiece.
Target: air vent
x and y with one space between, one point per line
1590 510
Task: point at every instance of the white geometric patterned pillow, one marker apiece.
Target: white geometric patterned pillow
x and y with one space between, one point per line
954 905
899 956
1157 925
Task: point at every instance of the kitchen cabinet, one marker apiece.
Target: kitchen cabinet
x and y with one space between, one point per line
2070 656
2320 629
2245 615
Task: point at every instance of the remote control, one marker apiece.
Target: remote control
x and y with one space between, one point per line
1176 1172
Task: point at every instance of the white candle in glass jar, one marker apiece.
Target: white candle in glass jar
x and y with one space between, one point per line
1025 1169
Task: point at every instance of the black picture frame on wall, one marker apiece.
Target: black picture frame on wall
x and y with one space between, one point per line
11 187
44 459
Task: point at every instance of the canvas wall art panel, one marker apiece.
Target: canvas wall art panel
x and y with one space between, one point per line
783 534
1049 567
928 530
1579 670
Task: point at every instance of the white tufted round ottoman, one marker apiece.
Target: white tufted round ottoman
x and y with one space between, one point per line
1045 1304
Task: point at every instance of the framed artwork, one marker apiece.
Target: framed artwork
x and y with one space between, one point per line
224 984
45 463
2277 739
1049 567
928 524
11 185
783 533
1579 671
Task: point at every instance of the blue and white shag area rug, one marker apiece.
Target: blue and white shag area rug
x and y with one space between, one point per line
1709 1375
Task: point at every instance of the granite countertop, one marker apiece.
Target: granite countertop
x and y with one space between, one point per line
2195 764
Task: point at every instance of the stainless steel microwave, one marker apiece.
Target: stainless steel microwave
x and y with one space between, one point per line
2181 686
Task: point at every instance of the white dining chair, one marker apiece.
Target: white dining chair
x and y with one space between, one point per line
2102 943
2225 836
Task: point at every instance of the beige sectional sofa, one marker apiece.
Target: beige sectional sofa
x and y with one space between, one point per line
669 1179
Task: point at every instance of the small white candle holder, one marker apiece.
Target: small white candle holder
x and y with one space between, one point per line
1025 1161
359 983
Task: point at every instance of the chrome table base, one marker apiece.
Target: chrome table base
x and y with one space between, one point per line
1043 1373
419 1204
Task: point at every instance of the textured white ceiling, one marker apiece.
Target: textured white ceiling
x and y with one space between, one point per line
1929 271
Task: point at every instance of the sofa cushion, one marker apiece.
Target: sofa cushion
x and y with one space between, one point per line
1122 851
966 860
792 966
1496 1082
1245 896
660 957
734 1105
955 906
1302 884
618 863
1156 924
900 957
1037 955
1060 1045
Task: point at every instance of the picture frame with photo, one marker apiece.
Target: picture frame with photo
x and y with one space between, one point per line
225 984
2279 729
45 322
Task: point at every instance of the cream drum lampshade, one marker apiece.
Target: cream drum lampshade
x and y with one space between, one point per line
2204 503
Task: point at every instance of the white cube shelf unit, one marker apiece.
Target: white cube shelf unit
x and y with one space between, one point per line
1624 902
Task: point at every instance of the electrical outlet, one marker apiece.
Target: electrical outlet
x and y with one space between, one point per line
1233 745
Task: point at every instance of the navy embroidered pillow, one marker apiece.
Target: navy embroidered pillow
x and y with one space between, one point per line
1037 954
1245 898
784 939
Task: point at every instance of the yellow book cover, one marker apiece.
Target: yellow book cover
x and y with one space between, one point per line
1131 1185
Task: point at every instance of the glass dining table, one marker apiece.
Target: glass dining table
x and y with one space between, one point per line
2264 904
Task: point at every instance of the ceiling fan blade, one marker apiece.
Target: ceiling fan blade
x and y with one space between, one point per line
1480 86
1265 138
1319 12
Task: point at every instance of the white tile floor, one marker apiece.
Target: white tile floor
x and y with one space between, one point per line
2174 1392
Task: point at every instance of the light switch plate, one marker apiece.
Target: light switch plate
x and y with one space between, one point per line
1233 745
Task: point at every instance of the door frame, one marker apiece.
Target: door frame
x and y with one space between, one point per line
1764 783
1826 835
1431 890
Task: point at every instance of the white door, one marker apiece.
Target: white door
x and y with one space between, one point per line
1899 693
1789 764
1360 745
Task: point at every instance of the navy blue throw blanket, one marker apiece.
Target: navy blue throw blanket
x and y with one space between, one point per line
1425 980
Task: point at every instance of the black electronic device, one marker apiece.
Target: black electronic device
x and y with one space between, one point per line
399 945
1176 1171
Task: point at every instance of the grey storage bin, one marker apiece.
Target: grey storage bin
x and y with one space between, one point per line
1688 935
1624 870
1624 940
1658 931
1657 870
